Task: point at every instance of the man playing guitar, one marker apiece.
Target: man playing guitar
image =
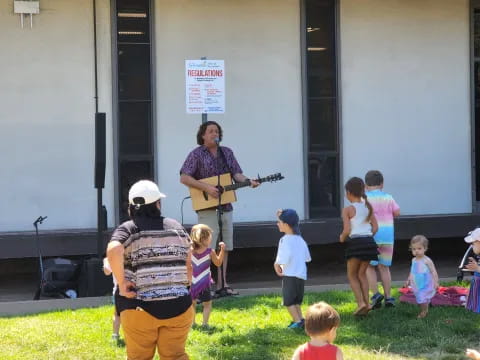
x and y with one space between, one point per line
207 160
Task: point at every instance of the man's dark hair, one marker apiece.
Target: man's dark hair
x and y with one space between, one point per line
203 128
373 178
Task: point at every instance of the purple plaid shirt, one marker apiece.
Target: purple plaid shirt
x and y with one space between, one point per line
200 164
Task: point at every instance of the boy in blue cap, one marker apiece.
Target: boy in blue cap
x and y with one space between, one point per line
290 265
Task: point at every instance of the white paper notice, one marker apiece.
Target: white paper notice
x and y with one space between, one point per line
205 86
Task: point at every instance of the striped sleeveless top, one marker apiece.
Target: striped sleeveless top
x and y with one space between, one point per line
201 277
155 260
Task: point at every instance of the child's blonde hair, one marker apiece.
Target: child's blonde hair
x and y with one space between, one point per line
320 318
419 239
200 234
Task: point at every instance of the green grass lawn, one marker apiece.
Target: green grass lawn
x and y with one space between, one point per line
253 328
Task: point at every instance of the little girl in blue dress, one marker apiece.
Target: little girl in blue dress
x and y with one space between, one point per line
423 277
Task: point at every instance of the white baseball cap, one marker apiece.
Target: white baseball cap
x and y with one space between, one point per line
144 192
473 236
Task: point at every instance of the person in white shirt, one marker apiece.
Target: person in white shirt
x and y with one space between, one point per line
107 270
290 265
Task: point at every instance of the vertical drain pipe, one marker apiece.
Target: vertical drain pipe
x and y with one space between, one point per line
99 187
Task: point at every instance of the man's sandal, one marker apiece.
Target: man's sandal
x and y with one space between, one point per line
230 291
226 291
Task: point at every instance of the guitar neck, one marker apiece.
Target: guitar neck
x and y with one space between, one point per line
237 185
241 184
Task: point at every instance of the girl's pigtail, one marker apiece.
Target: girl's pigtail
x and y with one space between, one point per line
196 237
369 206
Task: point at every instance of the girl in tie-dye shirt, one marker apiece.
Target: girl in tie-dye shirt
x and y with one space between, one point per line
423 277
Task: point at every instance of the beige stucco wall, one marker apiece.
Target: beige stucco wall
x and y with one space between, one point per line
260 43
47 100
47 116
404 90
406 99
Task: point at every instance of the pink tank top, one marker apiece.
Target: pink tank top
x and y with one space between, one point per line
311 352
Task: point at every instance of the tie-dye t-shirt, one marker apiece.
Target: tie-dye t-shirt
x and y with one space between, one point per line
383 207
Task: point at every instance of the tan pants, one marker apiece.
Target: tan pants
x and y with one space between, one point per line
144 332
209 217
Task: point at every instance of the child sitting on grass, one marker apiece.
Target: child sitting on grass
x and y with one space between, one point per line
321 324
290 265
202 256
473 303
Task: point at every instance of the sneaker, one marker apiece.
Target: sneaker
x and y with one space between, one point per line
115 339
390 302
296 325
376 300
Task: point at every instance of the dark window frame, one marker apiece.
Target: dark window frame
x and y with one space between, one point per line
143 158
310 151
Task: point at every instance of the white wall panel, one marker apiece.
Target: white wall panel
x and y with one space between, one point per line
47 117
406 99
260 43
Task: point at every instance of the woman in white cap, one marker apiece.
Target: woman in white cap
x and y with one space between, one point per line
150 258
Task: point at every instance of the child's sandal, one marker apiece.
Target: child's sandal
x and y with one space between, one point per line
364 310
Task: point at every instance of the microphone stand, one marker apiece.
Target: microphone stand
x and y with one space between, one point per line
40 260
222 291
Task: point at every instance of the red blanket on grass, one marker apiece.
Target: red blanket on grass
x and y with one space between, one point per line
445 296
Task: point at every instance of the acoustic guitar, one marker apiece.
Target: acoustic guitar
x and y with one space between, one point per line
201 200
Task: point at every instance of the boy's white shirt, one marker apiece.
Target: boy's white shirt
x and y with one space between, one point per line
292 256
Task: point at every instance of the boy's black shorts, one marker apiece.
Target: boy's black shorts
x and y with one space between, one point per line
293 289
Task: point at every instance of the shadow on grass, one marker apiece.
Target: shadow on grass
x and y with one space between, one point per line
275 301
267 343
443 335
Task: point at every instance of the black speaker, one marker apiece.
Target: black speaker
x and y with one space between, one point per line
92 281
100 150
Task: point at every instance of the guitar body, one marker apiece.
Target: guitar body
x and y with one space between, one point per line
201 200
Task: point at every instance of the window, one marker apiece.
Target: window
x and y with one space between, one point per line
322 107
134 97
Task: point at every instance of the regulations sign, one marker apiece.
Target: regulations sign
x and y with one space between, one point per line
205 86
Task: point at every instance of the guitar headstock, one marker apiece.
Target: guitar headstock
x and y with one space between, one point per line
271 178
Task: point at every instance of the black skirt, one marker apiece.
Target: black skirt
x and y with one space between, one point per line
363 248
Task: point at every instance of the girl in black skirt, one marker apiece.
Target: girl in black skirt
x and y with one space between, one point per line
359 226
